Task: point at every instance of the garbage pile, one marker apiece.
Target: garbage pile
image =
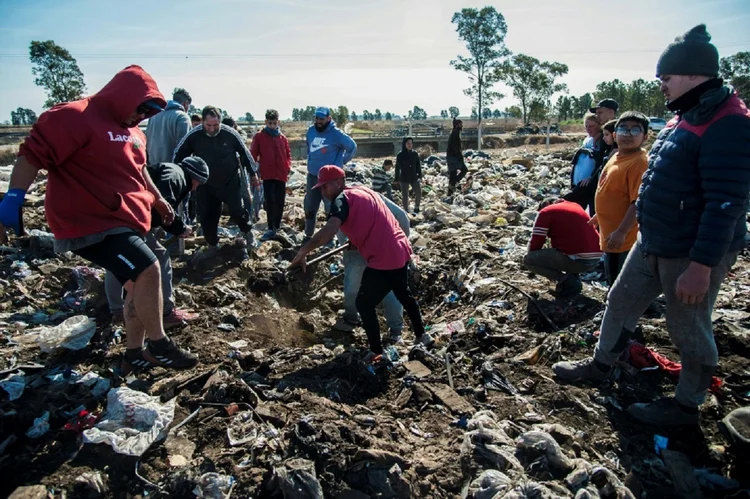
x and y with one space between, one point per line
282 405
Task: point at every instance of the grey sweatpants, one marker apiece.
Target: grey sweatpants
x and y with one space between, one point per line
644 278
417 188
113 288
313 197
555 265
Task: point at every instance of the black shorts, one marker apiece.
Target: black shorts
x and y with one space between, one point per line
126 255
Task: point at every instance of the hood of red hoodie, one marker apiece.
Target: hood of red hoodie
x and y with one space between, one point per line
127 90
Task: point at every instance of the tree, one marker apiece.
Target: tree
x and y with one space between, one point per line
513 111
474 113
486 113
340 115
484 33
249 117
736 70
614 89
453 111
22 116
497 114
353 116
57 71
418 113
532 80
581 105
193 110
443 113
388 116
378 115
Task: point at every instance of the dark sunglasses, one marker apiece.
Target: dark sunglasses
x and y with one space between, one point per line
623 130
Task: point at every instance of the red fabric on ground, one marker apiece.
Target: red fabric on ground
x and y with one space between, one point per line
641 356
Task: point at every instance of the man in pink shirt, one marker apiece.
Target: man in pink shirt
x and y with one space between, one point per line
363 217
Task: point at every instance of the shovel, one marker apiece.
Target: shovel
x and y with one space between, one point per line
296 270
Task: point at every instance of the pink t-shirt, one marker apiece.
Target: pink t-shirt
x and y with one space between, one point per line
372 228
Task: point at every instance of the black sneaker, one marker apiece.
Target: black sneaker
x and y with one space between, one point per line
136 360
167 354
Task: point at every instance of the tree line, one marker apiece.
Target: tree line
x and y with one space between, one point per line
533 82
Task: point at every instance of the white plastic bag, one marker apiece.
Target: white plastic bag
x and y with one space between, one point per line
73 334
132 422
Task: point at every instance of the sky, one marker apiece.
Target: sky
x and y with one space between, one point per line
248 55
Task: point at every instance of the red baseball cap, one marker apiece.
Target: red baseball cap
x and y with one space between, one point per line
327 174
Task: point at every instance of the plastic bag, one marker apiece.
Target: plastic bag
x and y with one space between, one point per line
297 479
132 422
543 443
40 426
14 385
73 334
489 484
214 486
242 429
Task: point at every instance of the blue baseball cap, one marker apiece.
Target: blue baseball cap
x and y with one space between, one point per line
322 112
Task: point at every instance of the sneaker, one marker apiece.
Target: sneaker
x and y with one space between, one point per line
170 355
425 340
118 318
204 254
136 360
345 325
267 235
580 370
663 412
178 317
395 338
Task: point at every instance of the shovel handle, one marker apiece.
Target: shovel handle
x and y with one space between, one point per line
320 258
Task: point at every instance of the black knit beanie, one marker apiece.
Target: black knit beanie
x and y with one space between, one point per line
196 168
690 54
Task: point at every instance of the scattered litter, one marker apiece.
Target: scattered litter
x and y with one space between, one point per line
214 486
39 427
14 384
73 334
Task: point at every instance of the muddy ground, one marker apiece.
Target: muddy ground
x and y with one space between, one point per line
394 431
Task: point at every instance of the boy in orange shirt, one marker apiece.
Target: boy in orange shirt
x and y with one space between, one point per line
618 190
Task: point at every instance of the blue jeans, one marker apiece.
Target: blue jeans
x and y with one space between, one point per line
354 267
313 197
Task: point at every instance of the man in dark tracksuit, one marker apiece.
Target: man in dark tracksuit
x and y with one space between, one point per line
175 183
455 157
409 173
218 145
691 214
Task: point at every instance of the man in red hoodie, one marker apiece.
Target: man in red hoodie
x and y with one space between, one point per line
271 149
99 199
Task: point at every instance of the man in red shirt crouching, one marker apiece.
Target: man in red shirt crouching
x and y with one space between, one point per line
99 200
363 217
575 245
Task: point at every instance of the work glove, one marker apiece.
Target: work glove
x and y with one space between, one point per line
10 210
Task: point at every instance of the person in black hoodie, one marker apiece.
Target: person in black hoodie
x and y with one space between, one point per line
455 157
409 173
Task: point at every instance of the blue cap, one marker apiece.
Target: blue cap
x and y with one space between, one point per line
153 105
322 112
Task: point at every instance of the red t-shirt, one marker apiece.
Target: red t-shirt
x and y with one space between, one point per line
566 224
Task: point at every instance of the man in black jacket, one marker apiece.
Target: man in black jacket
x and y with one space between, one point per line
409 173
174 182
691 215
455 157
219 145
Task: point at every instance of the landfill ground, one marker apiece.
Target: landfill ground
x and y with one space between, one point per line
314 421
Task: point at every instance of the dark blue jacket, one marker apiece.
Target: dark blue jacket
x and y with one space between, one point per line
694 195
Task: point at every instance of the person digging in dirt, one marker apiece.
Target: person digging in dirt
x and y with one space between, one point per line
691 213
219 145
175 183
270 148
326 145
99 200
455 157
618 190
409 174
354 268
574 245
363 217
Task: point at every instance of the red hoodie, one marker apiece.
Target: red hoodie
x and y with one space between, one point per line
94 162
273 154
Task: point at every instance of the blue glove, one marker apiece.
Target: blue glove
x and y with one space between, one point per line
10 210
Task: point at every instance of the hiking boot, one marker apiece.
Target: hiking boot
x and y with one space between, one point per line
346 326
178 317
570 286
663 412
165 353
580 370
425 340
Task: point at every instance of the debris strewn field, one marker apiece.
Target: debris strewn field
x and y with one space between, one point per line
282 405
